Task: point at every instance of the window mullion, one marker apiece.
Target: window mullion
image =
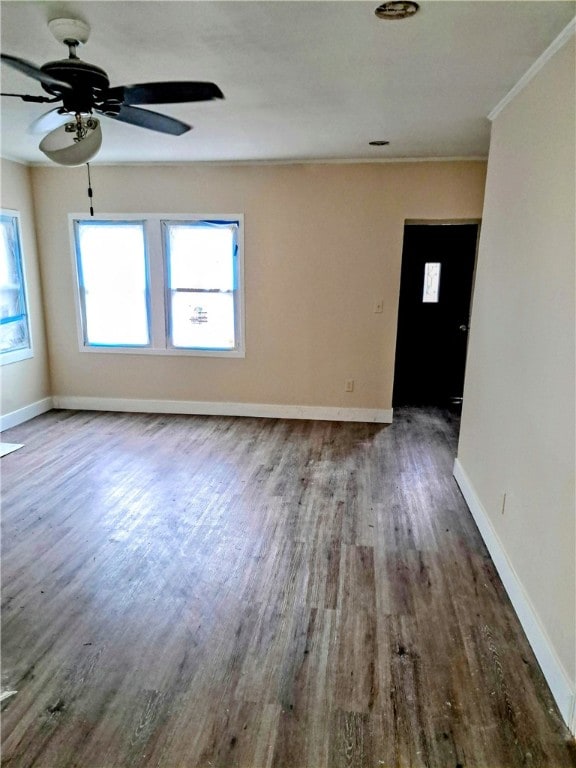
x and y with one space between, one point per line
156 299
203 290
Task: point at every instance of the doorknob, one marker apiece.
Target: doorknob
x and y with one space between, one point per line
463 328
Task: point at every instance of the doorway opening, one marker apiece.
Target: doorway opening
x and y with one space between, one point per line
438 262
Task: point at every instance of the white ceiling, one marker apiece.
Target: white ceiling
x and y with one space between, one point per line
302 80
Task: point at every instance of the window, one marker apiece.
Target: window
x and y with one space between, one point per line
113 284
161 285
431 288
201 281
15 341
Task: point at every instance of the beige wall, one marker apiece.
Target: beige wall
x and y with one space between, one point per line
518 422
322 245
25 382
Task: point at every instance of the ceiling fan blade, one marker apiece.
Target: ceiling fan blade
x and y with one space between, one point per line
147 119
27 68
164 93
49 121
35 99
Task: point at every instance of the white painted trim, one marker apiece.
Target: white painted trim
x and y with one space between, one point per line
13 419
294 161
540 62
19 160
204 408
7 448
563 690
17 355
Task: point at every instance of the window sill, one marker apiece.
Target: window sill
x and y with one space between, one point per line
236 353
16 356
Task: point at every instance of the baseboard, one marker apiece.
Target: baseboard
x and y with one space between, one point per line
9 420
563 691
204 408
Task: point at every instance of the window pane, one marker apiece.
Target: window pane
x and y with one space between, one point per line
203 320
14 333
201 259
10 283
201 256
116 317
431 283
113 269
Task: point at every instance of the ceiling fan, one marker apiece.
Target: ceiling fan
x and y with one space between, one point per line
84 88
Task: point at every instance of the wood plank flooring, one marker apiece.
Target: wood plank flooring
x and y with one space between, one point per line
203 592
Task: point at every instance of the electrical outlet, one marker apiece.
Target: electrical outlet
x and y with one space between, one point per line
349 386
379 307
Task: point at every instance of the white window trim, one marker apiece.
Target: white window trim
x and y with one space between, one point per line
156 270
6 358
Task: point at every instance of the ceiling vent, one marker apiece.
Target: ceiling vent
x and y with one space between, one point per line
399 10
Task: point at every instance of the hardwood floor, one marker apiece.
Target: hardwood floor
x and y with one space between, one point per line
187 592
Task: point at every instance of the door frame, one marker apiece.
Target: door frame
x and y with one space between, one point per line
439 222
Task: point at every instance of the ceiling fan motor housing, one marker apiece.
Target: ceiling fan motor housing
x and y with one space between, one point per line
87 80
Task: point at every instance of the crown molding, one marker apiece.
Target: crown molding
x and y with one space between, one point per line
531 73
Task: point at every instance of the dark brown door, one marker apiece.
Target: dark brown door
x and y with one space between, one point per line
434 313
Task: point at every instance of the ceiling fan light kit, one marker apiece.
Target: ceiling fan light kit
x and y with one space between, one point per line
65 147
84 88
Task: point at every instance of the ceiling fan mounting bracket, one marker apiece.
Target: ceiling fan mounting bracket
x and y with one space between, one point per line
69 31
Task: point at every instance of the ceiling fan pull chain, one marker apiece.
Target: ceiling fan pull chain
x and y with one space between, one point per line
90 190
